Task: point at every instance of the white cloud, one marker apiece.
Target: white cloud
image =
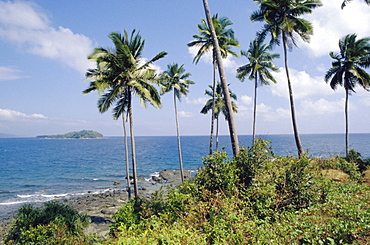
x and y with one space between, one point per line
364 97
25 24
229 63
331 23
9 73
23 14
302 83
321 107
197 101
10 115
185 114
245 99
262 108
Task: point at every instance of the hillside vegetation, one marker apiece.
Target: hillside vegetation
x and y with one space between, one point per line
84 134
255 198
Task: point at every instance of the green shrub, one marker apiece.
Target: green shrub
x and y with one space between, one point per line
355 157
51 222
218 174
339 163
255 198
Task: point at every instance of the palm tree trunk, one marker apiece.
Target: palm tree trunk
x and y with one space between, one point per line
346 118
295 129
217 133
133 151
254 110
213 105
178 139
231 122
126 155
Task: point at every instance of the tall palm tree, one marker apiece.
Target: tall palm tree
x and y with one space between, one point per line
217 105
120 74
175 78
345 2
226 39
282 20
100 83
347 69
258 69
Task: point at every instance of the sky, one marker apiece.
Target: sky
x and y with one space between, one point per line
44 47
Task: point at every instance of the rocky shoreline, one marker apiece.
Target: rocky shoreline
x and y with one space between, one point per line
100 207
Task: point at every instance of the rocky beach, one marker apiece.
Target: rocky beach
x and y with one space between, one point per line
100 207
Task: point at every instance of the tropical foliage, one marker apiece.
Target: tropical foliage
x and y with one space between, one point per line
254 198
345 2
258 69
348 69
120 74
175 78
216 104
226 41
53 223
282 20
84 134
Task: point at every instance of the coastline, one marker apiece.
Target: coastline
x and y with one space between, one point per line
101 206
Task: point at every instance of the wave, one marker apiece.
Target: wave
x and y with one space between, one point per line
40 197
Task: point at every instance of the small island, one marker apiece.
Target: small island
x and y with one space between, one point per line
84 134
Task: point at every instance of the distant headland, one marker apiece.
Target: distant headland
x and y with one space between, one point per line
84 134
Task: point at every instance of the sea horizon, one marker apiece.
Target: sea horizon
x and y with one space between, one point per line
188 135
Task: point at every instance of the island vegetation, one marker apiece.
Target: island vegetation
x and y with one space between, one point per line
84 134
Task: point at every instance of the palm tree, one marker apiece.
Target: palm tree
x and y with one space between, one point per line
175 78
120 74
282 20
345 2
217 105
260 62
204 41
347 69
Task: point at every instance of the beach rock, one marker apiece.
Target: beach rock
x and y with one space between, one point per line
116 183
173 177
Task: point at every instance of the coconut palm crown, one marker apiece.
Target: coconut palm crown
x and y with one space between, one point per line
176 79
120 74
257 70
282 20
348 69
226 40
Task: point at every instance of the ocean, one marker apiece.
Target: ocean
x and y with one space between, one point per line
37 170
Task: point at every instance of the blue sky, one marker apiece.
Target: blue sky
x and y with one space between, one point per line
44 45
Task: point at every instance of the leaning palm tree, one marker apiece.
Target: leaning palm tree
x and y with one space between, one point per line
282 20
258 69
119 75
175 78
347 69
217 105
227 41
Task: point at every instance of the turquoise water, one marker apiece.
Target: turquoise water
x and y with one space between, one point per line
37 170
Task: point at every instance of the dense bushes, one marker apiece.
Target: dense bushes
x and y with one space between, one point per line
255 198
54 223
